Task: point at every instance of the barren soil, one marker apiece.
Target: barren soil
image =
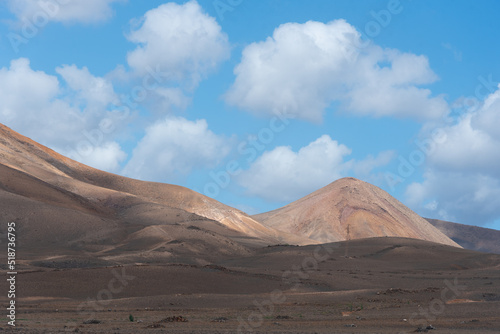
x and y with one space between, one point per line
385 285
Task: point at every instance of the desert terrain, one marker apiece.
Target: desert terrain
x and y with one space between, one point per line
385 285
101 253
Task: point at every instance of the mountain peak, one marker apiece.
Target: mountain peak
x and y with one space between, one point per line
367 210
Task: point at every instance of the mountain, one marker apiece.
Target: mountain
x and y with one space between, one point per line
368 211
65 210
470 237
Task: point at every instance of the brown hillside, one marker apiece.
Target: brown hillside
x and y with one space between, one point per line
66 208
367 210
471 237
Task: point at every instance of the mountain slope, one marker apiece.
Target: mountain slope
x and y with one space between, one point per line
470 237
63 208
367 210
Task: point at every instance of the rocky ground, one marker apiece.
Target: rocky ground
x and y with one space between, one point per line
385 285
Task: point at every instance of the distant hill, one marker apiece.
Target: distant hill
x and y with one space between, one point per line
470 237
368 211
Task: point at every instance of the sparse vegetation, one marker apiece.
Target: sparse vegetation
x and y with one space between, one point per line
283 317
352 307
174 319
92 321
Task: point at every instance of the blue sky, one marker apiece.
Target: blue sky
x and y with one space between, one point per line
260 103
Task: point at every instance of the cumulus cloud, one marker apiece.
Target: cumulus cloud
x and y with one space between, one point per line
33 104
83 11
182 40
169 97
463 170
173 147
282 175
469 147
304 68
468 198
30 104
106 157
488 117
472 143
94 91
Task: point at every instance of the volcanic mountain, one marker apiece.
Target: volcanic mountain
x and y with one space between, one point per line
476 238
65 210
351 209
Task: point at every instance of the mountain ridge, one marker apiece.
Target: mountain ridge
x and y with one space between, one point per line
66 210
471 237
112 212
177 196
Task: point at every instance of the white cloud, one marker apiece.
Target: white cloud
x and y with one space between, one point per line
463 169
30 105
473 143
173 147
106 157
284 175
172 97
468 198
468 148
65 11
94 91
488 117
33 104
303 68
182 40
